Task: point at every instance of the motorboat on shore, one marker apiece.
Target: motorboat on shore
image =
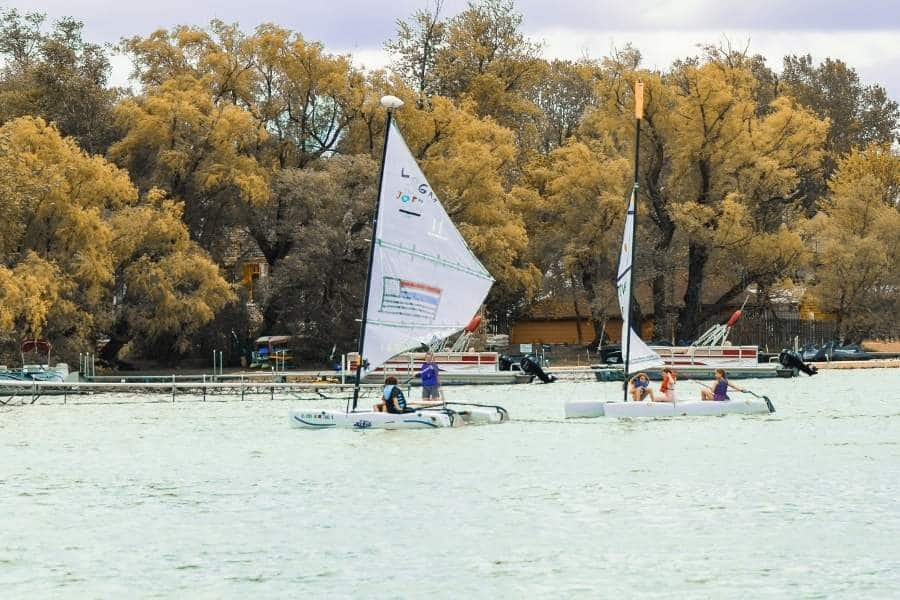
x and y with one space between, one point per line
41 371
423 283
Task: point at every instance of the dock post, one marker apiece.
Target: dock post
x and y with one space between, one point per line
204 387
272 396
242 387
33 390
173 387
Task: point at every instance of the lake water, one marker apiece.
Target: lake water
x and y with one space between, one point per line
225 500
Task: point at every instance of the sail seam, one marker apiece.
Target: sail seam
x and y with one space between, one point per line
451 265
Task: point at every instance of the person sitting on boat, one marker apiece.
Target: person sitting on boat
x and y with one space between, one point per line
667 389
719 392
393 400
431 384
639 386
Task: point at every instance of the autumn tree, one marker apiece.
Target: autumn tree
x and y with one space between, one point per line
858 114
485 58
857 241
316 290
573 201
721 181
563 96
179 139
57 76
63 272
414 47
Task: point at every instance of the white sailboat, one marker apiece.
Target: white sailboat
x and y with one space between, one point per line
423 282
636 355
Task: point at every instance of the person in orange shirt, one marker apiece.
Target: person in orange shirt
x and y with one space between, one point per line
667 389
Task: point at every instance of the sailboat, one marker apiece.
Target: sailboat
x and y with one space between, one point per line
423 282
636 355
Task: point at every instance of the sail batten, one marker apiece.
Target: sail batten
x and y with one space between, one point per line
425 282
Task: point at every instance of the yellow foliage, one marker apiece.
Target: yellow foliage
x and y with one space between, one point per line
75 233
857 236
179 139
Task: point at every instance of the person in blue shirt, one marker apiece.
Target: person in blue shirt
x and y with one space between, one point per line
431 383
392 399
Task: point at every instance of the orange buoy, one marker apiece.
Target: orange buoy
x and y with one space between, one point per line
734 318
473 324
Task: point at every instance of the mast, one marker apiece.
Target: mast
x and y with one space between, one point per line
390 103
638 115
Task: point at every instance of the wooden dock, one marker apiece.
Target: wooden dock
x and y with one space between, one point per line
875 363
29 392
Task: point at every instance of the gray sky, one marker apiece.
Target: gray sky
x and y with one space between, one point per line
864 33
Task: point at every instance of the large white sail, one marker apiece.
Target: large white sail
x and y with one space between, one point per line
639 355
425 282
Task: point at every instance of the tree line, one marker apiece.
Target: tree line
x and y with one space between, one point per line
123 207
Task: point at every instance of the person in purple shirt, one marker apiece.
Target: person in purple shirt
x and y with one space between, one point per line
431 383
720 391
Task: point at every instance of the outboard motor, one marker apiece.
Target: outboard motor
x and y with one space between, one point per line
531 366
505 362
792 360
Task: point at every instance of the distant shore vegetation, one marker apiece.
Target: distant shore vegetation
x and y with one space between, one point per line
228 193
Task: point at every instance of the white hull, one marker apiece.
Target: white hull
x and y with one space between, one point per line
690 408
427 418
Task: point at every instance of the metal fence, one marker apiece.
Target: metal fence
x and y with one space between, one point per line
772 333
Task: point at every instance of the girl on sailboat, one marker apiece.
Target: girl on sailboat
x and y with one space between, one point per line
667 389
639 386
720 391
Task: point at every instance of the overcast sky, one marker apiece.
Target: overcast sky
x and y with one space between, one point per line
864 33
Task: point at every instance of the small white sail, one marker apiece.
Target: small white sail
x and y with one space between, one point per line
425 282
639 355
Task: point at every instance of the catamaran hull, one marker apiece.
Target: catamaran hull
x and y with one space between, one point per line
421 419
691 408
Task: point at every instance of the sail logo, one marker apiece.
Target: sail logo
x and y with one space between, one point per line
410 298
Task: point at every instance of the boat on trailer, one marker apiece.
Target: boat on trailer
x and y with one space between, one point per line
636 355
422 283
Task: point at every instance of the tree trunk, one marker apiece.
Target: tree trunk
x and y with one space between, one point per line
580 340
689 316
118 337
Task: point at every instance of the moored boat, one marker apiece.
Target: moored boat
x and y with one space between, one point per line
42 371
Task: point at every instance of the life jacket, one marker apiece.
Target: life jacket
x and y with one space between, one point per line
393 392
665 387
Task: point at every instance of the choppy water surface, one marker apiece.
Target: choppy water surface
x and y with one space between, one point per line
223 499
